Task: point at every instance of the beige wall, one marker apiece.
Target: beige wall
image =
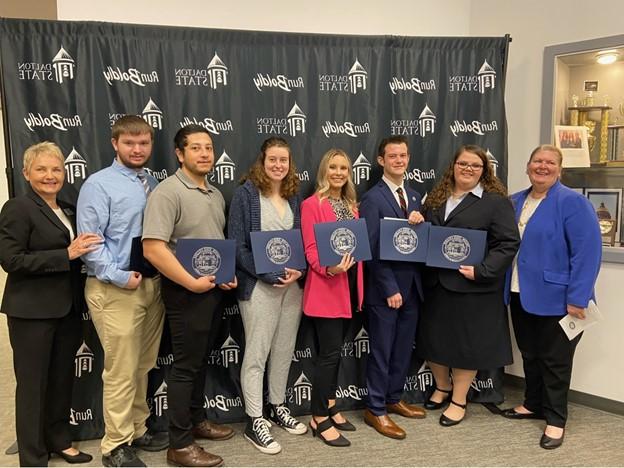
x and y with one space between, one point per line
400 17
33 9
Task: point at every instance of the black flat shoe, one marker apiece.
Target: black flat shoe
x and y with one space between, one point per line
511 413
448 422
322 427
434 405
549 443
80 457
345 426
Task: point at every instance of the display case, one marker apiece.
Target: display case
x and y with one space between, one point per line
579 92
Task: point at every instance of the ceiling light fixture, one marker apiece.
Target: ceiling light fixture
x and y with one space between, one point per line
607 57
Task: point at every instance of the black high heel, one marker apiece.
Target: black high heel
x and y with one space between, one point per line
321 427
434 405
448 422
80 457
345 426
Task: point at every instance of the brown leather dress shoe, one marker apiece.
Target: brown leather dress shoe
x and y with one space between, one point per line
384 425
208 430
193 455
406 410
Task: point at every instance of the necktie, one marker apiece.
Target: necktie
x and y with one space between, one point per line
399 192
143 179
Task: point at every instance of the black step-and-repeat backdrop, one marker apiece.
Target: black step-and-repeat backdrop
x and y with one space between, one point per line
69 81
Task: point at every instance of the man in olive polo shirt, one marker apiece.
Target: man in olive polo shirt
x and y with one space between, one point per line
185 205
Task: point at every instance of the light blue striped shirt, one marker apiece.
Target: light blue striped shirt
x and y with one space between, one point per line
111 204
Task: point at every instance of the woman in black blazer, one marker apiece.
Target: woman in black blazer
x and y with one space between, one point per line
42 300
463 326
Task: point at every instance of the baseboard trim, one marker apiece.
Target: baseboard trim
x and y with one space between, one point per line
580 398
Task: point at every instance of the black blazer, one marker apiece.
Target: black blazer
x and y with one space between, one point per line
42 282
492 213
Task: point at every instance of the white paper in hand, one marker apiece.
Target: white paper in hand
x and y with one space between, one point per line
572 326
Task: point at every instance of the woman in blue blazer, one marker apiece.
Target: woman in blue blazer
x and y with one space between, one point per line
553 275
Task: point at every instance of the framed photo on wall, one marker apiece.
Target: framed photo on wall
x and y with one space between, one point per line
573 143
608 205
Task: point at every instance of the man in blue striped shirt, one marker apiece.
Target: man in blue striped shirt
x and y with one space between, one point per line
125 305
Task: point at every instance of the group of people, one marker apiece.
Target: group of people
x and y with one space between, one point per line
542 258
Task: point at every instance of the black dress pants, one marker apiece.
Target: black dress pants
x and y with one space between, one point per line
43 359
190 318
547 356
330 334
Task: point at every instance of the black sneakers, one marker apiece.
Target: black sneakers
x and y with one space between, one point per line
123 455
152 441
280 415
257 432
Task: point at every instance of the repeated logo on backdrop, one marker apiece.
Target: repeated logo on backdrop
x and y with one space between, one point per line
75 166
484 79
83 362
300 87
130 75
355 80
215 75
263 81
361 169
292 124
60 69
422 126
229 352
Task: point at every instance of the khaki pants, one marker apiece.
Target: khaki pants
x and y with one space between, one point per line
129 324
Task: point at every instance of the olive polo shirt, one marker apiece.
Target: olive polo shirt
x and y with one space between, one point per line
179 209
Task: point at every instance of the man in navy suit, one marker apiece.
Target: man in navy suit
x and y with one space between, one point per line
392 294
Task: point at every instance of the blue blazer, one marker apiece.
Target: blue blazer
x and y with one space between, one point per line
385 278
559 257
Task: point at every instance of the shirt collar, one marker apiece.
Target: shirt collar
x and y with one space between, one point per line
127 171
392 185
182 177
477 191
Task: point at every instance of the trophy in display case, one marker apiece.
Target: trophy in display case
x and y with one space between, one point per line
591 138
607 225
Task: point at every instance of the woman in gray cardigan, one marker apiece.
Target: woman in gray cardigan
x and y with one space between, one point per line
270 303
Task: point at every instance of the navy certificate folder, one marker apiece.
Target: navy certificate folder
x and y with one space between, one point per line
335 239
206 257
275 250
138 262
452 247
403 242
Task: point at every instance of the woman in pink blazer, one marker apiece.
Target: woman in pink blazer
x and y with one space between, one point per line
330 293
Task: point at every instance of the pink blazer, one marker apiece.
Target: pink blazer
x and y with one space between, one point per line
324 295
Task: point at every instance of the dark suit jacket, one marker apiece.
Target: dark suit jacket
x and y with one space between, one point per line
492 213
385 278
42 282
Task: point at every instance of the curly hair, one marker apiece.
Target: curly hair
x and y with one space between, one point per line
443 189
258 176
348 193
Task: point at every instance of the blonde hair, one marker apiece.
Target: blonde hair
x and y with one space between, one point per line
550 149
45 147
348 192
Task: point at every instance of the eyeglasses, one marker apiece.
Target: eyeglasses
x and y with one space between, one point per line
464 165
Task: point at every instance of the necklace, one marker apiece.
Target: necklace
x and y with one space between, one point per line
528 208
